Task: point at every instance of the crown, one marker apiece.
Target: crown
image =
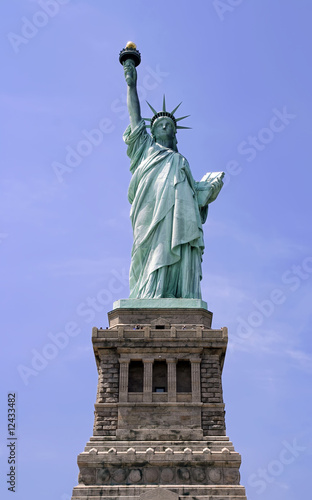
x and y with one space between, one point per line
167 114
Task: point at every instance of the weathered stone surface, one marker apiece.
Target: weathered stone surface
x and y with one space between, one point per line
215 475
103 476
151 475
198 474
133 492
150 416
86 476
119 475
159 494
135 475
168 475
182 316
166 437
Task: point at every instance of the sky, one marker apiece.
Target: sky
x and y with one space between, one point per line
243 71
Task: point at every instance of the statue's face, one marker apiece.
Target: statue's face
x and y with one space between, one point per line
163 129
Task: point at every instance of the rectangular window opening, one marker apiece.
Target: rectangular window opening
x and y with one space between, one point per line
160 376
184 382
135 382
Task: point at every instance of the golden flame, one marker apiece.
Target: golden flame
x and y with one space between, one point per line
131 45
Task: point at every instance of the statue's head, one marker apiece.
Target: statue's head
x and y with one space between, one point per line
164 132
164 126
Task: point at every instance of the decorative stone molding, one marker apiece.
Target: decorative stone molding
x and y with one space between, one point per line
161 322
149 453
187 451
170 475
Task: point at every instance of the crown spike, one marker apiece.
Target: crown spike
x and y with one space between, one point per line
172 112
154 110
163 114
182 118
147 125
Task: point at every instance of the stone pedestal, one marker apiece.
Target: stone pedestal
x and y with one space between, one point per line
159 429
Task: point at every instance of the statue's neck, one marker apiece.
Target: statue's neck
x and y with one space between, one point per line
167 143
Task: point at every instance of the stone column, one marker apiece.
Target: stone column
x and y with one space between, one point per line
148 380
123 380
195 367
172 380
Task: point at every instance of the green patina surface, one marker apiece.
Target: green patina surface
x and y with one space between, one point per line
160 304
168 206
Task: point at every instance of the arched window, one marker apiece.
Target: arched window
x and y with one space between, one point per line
136 370
160 376
184 383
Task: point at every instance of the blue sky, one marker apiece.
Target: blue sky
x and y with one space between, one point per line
242 70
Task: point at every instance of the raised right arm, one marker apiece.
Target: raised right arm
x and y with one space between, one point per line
132 94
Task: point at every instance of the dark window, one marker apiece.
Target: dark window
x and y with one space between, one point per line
159 327
136 370
184 376
160 376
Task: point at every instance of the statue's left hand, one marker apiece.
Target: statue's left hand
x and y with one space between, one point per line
217 184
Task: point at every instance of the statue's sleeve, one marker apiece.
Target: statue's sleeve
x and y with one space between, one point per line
204 191
207 191
138 142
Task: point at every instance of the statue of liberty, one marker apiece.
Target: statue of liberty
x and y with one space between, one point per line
168 205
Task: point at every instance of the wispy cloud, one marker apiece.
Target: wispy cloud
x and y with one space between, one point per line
275 342
300 359
259 244
267 340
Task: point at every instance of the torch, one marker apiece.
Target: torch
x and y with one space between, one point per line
130 52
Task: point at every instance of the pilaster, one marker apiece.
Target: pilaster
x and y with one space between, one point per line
147 386
123 379
172 379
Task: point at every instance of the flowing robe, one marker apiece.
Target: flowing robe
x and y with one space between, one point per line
166 220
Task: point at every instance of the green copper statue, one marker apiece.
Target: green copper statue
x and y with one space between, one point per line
168 205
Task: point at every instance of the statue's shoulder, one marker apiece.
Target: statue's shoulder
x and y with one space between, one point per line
136 134
184 161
